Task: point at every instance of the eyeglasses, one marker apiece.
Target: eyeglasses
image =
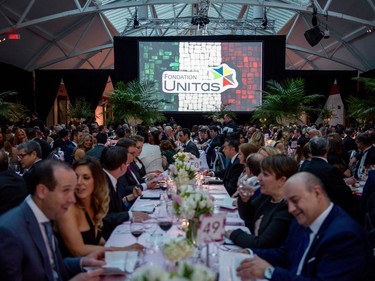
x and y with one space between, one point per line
22 155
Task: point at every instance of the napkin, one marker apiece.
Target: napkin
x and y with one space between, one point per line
120 262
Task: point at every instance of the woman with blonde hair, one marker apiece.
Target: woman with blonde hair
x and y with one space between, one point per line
11 144
257 139
85 143
19 137
269 151
79 230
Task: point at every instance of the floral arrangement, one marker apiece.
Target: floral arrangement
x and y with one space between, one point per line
185 272
184 169
190 203
178 249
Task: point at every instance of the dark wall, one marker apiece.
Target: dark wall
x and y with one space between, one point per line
18 80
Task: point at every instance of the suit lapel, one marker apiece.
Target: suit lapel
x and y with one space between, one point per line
36 236
318 236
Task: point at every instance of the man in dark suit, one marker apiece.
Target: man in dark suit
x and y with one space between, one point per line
13 188
131 183
31 134
323 243
214 141
68 153
62 141
96 152
114 163
230 174
187 145
27 251
330 175
29 154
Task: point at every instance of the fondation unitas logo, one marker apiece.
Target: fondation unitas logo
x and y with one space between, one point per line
221 78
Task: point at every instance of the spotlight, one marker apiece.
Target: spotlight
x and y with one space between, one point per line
326 33
200 21
369 29
313 35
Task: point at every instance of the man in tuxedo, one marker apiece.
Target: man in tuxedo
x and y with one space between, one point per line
13 188
231 173
323 242
330 175
187 144
114 163
28 249
348 141
366 154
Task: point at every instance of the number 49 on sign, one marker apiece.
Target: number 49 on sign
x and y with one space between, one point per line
211 228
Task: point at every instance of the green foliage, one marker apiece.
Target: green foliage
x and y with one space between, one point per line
285 101
136 100
363 109
80 109
11 111
220 112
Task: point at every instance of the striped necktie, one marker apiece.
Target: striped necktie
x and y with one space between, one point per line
52 246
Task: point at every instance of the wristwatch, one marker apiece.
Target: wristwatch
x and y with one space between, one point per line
268 272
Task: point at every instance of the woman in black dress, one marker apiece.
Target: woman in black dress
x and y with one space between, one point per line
78 230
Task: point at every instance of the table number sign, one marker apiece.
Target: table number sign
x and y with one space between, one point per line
196 163
211 228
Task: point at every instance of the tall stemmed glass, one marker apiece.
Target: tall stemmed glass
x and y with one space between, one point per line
165 219
136 227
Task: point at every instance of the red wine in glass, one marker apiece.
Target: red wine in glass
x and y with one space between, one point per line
165 225
136 228
136 233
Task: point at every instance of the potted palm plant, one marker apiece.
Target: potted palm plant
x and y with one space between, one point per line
11 111
363 109
80 110
286 102
135 103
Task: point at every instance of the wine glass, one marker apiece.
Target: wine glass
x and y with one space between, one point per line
165 222
136 227
15 167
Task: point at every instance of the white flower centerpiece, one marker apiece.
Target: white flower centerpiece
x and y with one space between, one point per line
178 249
185 168
185 271
191 204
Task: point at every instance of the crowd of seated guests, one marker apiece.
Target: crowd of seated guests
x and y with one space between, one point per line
129 159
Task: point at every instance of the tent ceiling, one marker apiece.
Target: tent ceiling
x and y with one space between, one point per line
74 34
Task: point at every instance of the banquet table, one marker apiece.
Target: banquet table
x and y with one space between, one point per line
153 253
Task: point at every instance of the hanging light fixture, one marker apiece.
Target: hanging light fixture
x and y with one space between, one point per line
265 20
314 20
135 22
